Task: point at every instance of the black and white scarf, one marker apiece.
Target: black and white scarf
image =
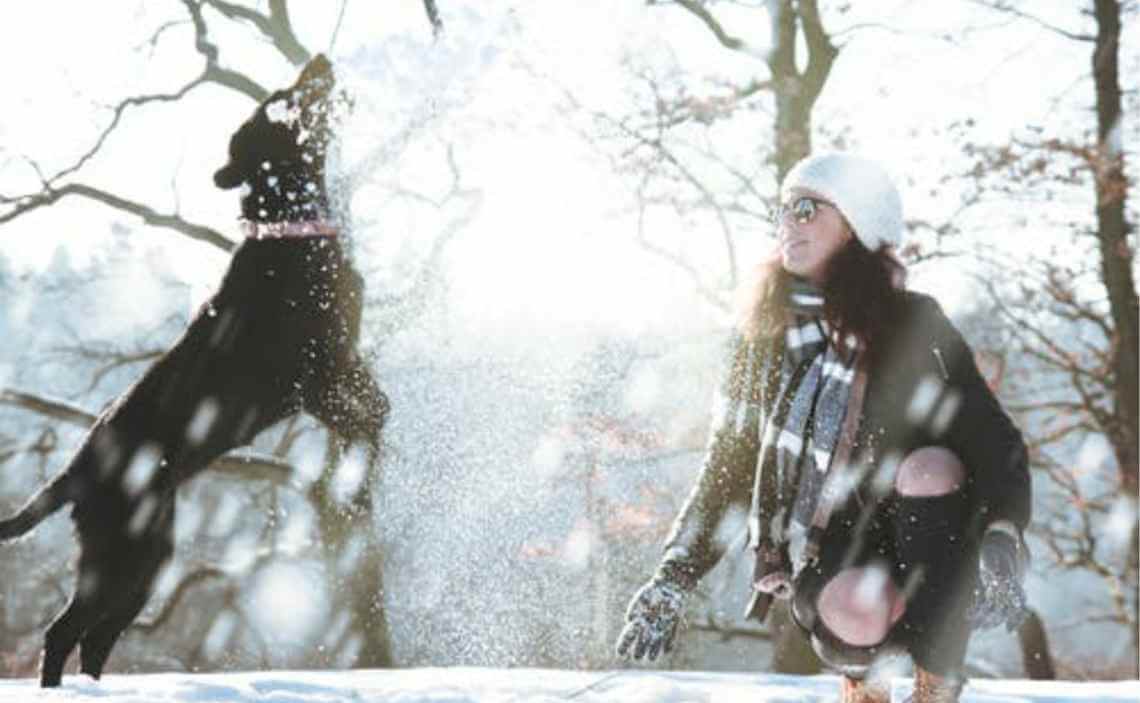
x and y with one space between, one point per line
798 437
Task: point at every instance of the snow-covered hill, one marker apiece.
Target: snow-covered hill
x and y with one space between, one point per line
470 685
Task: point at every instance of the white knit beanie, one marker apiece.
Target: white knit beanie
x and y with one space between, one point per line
860 189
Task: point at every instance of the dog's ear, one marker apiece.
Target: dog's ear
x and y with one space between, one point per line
228 176
234 172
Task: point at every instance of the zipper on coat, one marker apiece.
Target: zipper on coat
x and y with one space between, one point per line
941 362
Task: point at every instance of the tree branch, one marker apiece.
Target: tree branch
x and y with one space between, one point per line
214 72
434 18
48 407
708 196
821 52
254 466
153 41
276 26
111 360
118 113
1001 6
116 117
168 608
697 8
412 302
703 290
245 465
51 195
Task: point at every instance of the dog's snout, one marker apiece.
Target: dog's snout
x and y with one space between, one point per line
319 66
317 73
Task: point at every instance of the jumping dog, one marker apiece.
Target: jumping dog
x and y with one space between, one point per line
277 337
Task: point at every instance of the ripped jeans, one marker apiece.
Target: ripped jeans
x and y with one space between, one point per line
893 575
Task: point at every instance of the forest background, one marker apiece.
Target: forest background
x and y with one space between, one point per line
552 205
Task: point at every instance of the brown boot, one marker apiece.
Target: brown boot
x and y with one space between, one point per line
932 688
862 691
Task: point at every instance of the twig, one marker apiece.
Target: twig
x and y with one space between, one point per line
726 40
1008 9
434 18
336 30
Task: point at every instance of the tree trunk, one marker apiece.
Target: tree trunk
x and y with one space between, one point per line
1133 583
796 92
354 559
1036 657
1112 232
793 126
1116 266
795 95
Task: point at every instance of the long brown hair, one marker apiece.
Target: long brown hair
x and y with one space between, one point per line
861 293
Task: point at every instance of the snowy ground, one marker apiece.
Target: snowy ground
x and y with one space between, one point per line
467 685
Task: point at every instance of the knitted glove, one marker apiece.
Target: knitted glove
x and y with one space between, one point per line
652 619
998 596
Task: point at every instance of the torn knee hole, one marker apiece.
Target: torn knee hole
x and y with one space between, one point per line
860 605
930 471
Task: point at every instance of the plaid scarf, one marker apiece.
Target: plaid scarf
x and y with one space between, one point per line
799 435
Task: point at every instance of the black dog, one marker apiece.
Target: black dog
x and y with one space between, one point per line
278 337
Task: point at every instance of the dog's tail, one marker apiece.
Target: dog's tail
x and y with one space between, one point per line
46 501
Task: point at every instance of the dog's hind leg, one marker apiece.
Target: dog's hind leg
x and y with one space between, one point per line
95 645
148 554
60 639
79 615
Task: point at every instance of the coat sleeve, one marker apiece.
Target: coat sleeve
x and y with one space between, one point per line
695 543
981 433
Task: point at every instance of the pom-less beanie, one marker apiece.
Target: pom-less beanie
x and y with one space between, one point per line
859 188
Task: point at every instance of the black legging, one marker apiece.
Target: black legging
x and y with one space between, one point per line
921 541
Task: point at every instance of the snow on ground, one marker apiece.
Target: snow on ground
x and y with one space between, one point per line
481 685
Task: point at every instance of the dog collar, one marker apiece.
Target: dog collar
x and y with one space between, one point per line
277 230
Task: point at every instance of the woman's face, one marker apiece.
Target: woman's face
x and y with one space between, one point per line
810 234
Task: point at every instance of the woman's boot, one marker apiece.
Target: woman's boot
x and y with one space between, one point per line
932 688
862 691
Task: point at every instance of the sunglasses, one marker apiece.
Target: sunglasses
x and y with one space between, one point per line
803 209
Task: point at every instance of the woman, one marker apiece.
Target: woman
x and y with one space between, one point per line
886 488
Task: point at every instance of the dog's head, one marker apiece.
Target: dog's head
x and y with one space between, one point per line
279 152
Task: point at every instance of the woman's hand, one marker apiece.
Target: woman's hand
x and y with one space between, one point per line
652 619
999 598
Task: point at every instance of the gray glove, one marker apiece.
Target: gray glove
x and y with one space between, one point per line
999 598
652 619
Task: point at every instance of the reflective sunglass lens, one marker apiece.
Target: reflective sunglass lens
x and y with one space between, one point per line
804 210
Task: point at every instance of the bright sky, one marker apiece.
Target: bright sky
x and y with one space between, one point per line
548 223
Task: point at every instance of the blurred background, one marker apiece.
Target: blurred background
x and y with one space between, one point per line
552 205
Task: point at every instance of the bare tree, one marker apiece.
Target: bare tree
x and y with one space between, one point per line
1075 318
